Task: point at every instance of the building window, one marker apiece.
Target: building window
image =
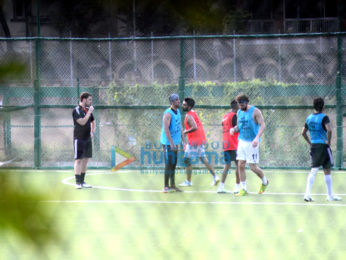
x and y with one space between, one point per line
18 9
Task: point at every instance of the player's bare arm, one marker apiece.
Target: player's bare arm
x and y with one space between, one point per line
329 133
192 124
258 117
166 124
305 135
182 134
93 128
234 129
84 120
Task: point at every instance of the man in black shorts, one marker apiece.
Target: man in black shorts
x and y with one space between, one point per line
84 129
318 125
230 145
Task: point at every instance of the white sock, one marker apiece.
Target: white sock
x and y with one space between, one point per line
243 185
310 181
264 180
328 180
237 187
222 185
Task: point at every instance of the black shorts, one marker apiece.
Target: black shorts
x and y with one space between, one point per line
230 155
171 157
82 148
321 155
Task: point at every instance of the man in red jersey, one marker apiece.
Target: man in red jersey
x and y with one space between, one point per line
230 145
195 142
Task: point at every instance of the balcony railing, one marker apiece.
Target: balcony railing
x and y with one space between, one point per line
294 25
306 25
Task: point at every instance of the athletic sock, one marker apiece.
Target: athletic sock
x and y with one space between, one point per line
243 185
222 185
82 177
310 181
166 179
172 179
328 180
264 180
78 178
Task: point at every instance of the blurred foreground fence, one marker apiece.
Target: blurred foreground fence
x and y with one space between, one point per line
131 78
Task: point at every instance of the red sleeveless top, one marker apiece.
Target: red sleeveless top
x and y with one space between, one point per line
196 137
229 142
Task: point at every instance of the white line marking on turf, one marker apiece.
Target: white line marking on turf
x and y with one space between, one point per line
66 181
192 202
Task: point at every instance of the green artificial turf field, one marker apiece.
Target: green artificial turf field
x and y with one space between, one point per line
126 216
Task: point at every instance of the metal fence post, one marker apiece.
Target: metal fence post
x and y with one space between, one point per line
339 106
182 70
95 94
78 90
7 128
234 61
71 61
37 125
37 86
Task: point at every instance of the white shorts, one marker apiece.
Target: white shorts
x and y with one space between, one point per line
246 152
194 151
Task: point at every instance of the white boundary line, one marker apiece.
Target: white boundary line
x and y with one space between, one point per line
66 181
191 202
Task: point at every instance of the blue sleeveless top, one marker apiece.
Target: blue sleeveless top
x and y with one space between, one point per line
317 134
174 128
248 128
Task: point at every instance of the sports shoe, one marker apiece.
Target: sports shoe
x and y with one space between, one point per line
79 186
308 199
222 190
263 187
241 193
236 189
215 181
176 189
186 183
167 190
86 185
333 198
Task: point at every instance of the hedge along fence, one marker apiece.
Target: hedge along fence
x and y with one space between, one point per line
309 64
284 106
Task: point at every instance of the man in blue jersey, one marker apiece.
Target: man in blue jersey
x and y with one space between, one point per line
250 125
171 138
318 124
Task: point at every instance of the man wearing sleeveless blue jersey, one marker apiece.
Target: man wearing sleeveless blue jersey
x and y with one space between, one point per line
171 138
250 125
318 125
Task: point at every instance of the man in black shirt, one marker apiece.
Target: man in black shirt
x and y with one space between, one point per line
84 129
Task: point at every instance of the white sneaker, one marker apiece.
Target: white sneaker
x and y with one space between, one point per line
186 183
78 186
308 199
236 191
215 181
222 190
333 198
86 185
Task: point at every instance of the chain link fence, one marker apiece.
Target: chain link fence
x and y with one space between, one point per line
131 79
